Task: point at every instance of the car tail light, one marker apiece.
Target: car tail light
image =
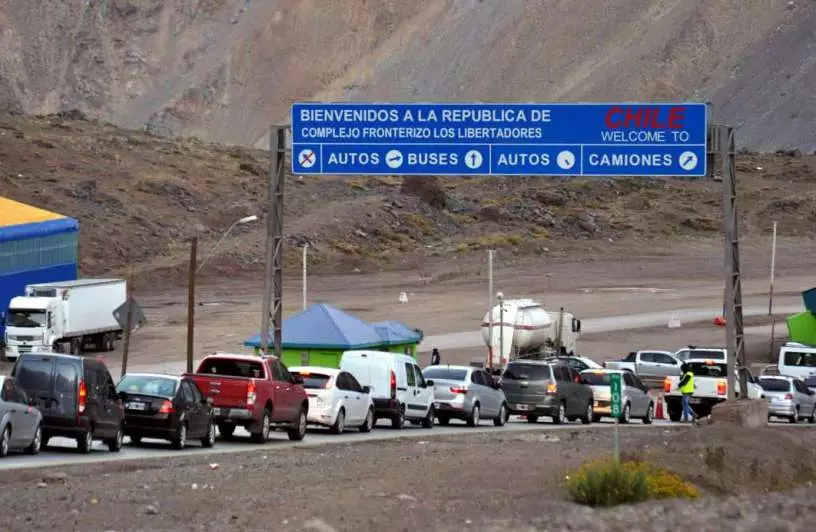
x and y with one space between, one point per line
458 390
167 408
667 385
83 396
789 396
721 388
552 389
250 399
393 385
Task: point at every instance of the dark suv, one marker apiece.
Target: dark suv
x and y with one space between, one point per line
76 396
537 388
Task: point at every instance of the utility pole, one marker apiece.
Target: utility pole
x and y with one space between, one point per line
128 323
305 263
770 292
273 279
490 310
191 281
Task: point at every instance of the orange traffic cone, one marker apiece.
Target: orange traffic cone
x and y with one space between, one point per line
659 414
719 321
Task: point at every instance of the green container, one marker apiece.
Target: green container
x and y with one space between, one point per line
802 328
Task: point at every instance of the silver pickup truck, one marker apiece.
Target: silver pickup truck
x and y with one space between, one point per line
647 363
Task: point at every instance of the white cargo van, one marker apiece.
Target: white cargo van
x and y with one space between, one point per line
797 360
398 389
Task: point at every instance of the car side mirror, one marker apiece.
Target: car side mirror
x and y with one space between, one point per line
298 379
429 383
366 389
122 395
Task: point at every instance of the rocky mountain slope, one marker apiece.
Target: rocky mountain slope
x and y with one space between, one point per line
224 69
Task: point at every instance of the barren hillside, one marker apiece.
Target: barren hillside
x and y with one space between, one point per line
224 69
139 199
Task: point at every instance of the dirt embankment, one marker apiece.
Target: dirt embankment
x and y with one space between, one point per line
139 199
434 483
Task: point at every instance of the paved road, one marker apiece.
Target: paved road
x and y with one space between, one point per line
62 451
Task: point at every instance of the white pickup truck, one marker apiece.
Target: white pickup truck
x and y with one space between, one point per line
710 388
647 363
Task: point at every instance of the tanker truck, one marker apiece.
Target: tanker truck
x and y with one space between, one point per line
522 328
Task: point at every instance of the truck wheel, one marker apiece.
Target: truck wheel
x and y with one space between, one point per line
298 432
85 442
428 421
226 430
398 420
262 435
339 425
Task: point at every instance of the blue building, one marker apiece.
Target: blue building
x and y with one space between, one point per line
36 246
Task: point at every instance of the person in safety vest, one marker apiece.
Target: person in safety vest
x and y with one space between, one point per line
687 389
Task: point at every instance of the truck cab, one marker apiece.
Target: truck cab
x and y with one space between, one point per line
29 325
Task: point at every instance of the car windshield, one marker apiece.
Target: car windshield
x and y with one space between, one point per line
314 381
532 372
26 318
713 354
596 379
775 385
443 373
708 369
149 385
800 359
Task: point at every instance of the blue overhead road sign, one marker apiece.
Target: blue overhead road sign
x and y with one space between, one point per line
590 139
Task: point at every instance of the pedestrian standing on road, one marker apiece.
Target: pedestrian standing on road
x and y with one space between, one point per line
687 389
435 358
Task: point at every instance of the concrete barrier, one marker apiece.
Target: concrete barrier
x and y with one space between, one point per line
742 413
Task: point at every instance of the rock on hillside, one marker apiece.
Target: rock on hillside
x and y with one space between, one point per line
224 69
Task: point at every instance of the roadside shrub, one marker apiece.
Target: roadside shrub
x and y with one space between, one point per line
609 483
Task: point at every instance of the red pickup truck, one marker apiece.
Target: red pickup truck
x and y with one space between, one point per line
257 393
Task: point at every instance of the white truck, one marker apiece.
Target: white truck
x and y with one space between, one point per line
710 387
522 328
65 316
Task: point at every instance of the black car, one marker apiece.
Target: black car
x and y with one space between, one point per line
76 396
166 407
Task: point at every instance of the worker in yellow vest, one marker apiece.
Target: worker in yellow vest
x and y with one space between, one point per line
687 389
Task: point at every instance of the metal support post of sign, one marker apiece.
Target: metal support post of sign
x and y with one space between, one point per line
273 279
616 407
490 310
723 141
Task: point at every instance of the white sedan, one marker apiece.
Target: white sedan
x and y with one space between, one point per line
336 399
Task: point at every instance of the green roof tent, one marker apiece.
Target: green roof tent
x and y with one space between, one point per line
319 335
802 328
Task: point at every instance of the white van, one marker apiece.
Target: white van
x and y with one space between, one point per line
398 389
797 360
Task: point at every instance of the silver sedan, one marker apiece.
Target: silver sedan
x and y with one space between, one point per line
466 393
20 423
789 398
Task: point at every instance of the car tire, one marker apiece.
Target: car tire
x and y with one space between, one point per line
262 436
339 425
502 417
179 441
443 420
226 430
428 421
532 419
85 442
475 416
586 419
812 418
368 424
115 444
561 416
298 432
649 415
626 414
36 443
208 441
398 421
5 439
795 417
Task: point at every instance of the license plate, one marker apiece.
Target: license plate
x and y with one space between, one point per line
522 407
136 406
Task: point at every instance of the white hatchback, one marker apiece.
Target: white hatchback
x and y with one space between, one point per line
336 399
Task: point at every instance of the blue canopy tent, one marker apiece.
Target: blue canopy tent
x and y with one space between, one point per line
318 336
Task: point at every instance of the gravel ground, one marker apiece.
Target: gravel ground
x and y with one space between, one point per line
493 481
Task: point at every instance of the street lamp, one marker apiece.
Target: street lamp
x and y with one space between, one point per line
244 220
192 278
500 297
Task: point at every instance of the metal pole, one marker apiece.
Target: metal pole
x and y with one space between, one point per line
490 310
771 290
191 303
266 306
128 324
305 262
279 159
501 331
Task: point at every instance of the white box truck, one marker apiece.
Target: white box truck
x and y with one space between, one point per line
66 316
